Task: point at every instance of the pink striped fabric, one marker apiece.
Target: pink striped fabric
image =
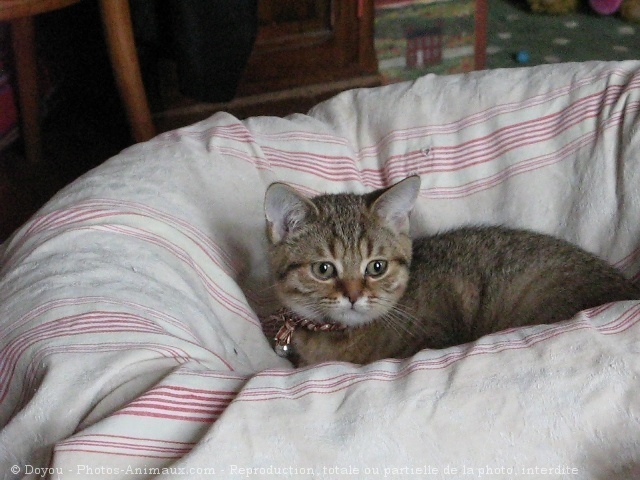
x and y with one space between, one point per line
130 339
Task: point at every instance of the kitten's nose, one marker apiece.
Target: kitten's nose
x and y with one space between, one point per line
352 289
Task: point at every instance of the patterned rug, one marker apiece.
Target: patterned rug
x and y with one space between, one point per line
539 39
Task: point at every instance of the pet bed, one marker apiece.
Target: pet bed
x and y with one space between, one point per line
130 304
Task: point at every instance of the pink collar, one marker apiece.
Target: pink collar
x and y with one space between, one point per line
291 322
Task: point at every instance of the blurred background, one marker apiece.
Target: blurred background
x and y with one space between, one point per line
257 57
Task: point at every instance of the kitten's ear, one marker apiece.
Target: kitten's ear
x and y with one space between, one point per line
395 203
284 209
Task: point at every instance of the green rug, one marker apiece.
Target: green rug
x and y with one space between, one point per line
551 39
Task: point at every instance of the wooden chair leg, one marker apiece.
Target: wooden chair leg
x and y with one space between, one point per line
24 51
116 17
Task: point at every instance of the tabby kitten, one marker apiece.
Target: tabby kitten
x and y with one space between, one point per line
348 259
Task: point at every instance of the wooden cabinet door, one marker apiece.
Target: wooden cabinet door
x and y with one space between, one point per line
302 42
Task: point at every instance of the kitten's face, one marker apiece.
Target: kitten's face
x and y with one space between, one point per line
343 258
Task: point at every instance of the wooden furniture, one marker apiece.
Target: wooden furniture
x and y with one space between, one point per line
119 35
302 42
480 47
305 51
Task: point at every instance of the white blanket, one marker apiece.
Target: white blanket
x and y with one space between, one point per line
130 341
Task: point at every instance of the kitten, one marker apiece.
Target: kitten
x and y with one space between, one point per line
348 259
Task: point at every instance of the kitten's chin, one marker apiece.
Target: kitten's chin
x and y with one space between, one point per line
351 318
343 316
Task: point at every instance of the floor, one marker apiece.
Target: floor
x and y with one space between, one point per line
86 124
539 39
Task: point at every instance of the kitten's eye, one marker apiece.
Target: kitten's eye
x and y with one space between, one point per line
375 268
323 270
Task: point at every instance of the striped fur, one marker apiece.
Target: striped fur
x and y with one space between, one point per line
445 290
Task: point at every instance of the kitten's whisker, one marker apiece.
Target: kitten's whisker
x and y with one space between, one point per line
313 308
401 320
397 323
394 320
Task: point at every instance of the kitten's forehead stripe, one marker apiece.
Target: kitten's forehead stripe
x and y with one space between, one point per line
362 248
379 250
370 246
337 248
